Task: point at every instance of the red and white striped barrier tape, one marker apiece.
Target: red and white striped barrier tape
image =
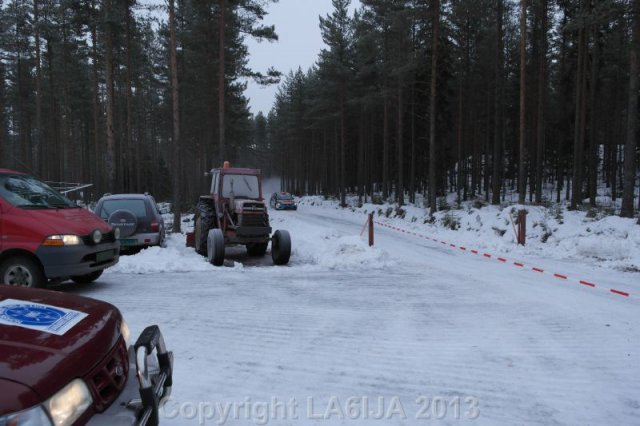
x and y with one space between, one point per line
504 260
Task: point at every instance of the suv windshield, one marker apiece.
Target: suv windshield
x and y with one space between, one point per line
242 186
28 192
284 197
137 207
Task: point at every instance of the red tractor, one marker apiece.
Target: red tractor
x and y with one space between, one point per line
235 214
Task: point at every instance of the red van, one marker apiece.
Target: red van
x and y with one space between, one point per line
45 237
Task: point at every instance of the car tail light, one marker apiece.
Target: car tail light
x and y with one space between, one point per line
155 227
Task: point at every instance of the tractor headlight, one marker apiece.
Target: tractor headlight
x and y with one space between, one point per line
66 406
30 417
62 240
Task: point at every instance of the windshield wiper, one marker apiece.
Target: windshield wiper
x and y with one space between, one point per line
62 206
32 206
247 183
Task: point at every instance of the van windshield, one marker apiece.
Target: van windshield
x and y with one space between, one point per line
242 186
28 192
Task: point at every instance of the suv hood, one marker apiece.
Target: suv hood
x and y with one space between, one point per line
46 362
16 397
68 221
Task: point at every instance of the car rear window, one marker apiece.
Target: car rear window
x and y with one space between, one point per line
137 207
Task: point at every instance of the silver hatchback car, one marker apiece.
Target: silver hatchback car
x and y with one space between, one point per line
138 218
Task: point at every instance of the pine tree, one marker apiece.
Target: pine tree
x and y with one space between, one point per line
335 64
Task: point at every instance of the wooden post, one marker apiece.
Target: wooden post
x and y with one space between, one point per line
370 229
522 227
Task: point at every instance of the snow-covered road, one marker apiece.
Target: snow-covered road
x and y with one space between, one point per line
426 331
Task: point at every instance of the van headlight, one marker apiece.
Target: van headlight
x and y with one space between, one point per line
66 406
62 240
32 416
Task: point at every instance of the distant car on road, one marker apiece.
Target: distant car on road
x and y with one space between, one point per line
283 201
136 216
66 360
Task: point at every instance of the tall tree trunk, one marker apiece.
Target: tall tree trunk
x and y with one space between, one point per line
632 112
522 171
578 147
54 132
498 106
3 120
97 146
412 172
221 84
130 162
111 139
361 137
593 155
461 177
400 186
37 144
385 145
542 90
343 147
432 108
561 162
176 175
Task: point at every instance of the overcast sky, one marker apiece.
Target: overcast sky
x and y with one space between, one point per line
300 42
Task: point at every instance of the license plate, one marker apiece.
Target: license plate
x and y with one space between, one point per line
128 242
104 256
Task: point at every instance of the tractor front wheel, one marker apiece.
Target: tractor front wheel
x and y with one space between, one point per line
215 247
281 247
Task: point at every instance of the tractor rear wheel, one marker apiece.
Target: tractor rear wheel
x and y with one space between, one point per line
205 220
281 247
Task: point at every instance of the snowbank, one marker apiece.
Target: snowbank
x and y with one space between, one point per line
173 258
314 247
555 232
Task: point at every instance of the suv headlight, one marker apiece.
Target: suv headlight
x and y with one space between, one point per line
116 233
62 240
31 417
126 333
66 406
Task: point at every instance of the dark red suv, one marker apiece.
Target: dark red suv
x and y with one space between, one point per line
65 360
44 237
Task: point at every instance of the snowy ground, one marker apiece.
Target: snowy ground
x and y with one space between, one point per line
434 333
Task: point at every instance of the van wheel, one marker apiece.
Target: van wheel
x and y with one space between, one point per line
88 278
22 271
